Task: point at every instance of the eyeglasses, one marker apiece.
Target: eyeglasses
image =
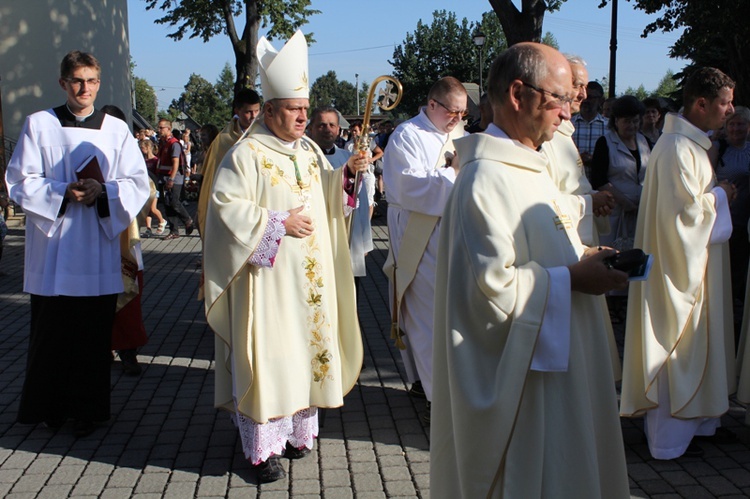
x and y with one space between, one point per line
78 82
452 113
558 101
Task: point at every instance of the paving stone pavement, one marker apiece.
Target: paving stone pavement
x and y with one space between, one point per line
165 438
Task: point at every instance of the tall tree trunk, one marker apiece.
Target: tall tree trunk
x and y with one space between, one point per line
246 62
245 50
520 26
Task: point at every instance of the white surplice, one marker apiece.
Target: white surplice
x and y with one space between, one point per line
415 185
62 249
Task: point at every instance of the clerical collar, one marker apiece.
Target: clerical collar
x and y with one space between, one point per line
329 152
77 117
67 119
497 132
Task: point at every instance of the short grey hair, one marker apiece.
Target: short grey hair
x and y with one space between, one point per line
523 62
739 112
575 59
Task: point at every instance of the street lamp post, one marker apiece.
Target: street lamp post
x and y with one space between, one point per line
613 51
479 40
356 92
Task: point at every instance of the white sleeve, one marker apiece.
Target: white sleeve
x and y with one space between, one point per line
410 178
722 228
553 346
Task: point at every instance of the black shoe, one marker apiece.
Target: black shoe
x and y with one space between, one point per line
54 424
147 234
417 391
270 470
129 361
693 450
722 436
189 227
426 416
291 452
83 428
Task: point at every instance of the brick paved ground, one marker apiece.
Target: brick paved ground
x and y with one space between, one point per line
165 438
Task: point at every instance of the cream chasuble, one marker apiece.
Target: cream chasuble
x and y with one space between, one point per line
498 428
291 330
566 170
679 321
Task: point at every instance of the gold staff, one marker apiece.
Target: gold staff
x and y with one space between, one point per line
388 100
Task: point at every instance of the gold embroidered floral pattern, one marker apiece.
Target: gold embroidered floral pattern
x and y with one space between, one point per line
313 169
293 179
317 319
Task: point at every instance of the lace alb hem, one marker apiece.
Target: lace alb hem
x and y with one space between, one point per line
261 441
265 254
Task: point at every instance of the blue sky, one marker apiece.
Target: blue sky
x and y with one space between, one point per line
358 37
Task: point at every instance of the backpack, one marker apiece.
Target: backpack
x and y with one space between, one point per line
165 158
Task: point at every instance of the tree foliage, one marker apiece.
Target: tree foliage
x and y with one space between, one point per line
549 39
425 56
639 93
207 18
523 25
225 87
145 99
203 102
715 34
327 90
668 86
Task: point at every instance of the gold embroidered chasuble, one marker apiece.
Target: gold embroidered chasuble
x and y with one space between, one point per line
498 428
681 318
287 337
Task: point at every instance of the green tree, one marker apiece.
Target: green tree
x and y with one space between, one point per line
715 34
523 25
145 99
668 86
225 88
639 93
346 100
327 90
424 56
207 18
549 39
201 101
323 91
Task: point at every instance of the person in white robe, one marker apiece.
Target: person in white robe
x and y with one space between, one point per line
72 251
418 179
324 129
678 365
566 170
524 403
279 289
569 173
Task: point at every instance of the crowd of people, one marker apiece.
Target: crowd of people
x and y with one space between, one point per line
503 280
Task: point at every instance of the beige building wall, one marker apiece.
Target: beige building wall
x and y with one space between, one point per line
34 37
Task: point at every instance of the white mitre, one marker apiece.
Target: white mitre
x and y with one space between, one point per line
283 74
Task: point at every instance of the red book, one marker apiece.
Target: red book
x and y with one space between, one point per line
90 169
